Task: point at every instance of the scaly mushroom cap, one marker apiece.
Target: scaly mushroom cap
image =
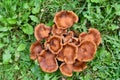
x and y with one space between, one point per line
68 37
54 44
93 35
57 31
79 66
86 51
66 69
41 31
35 50
65 19
47 61
70 53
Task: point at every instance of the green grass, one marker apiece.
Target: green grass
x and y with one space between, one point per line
19 17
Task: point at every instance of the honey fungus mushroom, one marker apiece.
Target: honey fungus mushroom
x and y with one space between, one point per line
66 69
71 49
68 37
65 19
54 44
86 51
41 31
35 50
60 56
93 35
75 41
79 66
47 61
82 36
57 31
69 52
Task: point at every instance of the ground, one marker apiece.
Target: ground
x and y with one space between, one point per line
19 17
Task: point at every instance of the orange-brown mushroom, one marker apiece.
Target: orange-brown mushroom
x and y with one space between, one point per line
65 19
93 35
86 51
70 52
35 50
41 31
66 69
82 36
75 41
47 61
57 31
68 37
97 37
54 44
79 66
60 56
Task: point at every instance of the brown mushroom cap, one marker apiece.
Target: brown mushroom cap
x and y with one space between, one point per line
35 50
54 44
96 35
47 61
66 69
41 31
93 35
82 36
65 19
79 66
60 56
57 31
68 37
86 51
70 53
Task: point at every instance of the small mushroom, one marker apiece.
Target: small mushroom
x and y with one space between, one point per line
69 51
47 61
41 31
68 37
65 19
54 44
75 41
66 69
79 66
86 51
35 50
57 31
93 35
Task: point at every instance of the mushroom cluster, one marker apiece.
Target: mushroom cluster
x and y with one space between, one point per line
62 49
